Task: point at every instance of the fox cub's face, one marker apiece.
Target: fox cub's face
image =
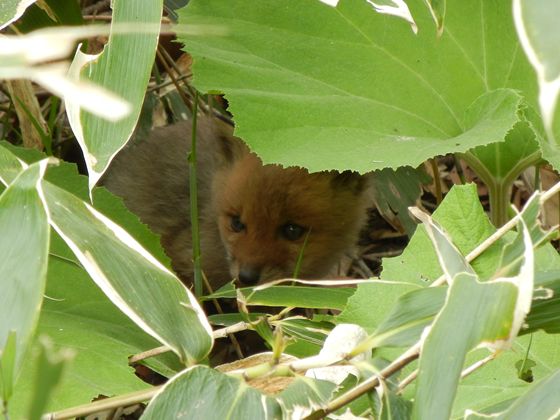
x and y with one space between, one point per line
266 213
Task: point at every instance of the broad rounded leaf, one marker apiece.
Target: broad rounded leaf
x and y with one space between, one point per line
357 84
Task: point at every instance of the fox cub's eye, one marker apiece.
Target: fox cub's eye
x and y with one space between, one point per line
236 224
291 231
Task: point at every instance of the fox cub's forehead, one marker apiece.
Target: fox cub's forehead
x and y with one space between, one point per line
278 194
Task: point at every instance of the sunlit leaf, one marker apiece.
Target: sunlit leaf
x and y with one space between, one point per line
357 84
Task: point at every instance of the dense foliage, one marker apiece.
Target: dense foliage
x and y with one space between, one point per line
464 323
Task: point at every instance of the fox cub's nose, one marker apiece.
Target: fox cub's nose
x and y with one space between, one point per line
249 275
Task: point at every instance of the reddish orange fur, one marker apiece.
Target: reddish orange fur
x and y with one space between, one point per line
269 196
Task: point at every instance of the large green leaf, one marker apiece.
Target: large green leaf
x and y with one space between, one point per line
124 68
359 85
203 393
24 245
456 331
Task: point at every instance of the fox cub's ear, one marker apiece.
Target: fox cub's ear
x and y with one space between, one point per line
229 148
351 180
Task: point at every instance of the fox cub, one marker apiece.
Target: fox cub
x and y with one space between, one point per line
254 219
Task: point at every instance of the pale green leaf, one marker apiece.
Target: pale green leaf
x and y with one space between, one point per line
450 258
124 68
11 10
203 393
357 84
141 287
135 281
537 27
24 245
473 313
413 312
359 309
463 217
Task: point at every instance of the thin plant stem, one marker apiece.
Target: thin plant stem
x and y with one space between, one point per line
300 255
193 196
105 404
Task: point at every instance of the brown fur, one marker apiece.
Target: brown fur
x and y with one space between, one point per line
152 177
